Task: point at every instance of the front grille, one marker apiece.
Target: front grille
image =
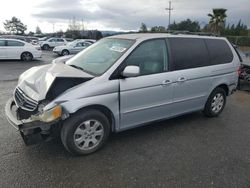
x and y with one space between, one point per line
23 101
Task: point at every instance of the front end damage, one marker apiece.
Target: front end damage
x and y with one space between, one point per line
33 130
37 88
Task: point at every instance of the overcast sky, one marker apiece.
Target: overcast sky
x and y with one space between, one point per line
116 14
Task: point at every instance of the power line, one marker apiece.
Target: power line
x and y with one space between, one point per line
169 13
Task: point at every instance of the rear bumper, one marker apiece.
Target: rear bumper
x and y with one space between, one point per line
37 54
32 132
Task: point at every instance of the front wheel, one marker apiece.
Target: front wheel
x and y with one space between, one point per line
215 103
85 132
65 52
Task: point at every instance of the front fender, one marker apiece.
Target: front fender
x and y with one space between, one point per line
110 101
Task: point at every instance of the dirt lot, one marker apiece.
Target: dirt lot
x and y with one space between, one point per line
189 151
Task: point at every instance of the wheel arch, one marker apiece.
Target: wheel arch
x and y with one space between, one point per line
105 110
65 50
223 86
26 52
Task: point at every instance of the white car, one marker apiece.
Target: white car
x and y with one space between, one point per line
53 42
73 47
17 49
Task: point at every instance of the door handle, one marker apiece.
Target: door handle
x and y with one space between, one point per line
166 82
182 79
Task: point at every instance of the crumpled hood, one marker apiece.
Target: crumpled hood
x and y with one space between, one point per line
37 81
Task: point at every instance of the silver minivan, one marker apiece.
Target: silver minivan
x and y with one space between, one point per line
122 82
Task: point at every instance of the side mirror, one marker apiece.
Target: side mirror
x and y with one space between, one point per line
131 71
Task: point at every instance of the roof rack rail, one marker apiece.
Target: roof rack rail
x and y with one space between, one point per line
193 33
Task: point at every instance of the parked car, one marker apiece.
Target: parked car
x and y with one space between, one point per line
17 49
52 42
73 47
122 82
28 39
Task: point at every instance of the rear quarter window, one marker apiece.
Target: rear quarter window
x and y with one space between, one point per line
187 53
219 51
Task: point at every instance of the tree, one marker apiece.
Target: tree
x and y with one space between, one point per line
143 28
38 30
158 29
235 30
217 20
186 25
15 26
31 33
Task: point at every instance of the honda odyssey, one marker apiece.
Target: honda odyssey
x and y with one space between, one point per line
122 82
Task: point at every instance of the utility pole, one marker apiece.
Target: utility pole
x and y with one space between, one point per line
169 13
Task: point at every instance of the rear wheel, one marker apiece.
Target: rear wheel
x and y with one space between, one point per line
26 56
85 132
215 103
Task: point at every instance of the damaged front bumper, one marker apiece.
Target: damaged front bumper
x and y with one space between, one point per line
31 131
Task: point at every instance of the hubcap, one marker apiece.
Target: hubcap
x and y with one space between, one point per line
65 53
217 103
88 134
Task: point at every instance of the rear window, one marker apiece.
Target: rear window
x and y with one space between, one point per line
188 53
219 51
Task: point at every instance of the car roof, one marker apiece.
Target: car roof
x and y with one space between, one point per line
144 36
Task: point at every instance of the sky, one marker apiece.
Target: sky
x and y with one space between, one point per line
120 15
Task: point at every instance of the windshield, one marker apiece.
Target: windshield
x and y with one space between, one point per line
73 43
99 57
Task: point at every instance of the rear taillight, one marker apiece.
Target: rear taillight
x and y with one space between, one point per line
239 70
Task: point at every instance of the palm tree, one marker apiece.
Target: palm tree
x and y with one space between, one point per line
217 20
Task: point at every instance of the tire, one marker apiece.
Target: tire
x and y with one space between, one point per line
81 131
65 52
45 47
215 103
26 56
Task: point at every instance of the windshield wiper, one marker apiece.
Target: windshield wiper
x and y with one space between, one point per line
77 67
80 68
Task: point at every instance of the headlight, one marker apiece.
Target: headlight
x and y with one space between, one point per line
50 115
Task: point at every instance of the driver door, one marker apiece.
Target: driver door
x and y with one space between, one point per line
149 96
78 47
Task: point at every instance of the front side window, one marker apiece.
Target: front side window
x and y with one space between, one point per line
86 44
98 58
2 42
150 56
14 43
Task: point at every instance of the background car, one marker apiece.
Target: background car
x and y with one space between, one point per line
73 47
17 49
53 42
